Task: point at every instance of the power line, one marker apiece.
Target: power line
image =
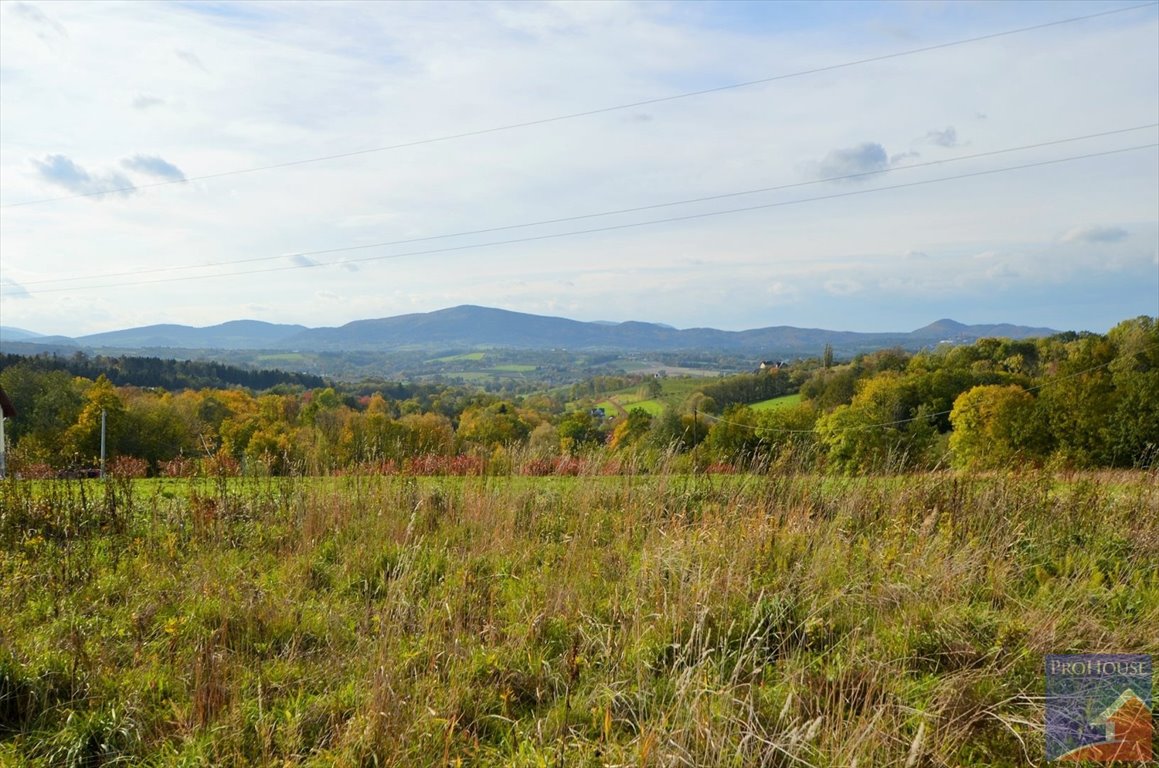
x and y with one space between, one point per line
594 230
619 211
590 112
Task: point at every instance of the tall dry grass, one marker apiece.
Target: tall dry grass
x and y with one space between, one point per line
774 619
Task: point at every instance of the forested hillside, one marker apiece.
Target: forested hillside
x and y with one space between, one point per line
127 370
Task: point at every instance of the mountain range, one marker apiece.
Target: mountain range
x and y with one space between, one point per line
483 327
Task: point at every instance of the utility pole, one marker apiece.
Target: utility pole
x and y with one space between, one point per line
3 452
104 414
695 444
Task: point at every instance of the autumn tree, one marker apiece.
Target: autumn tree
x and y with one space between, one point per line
884 427
491 426
631 429
995 427
82 440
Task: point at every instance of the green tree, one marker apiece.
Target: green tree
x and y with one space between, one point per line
1079 399
1133 433
631 429
672 431
884 427
48 402
156 430
788 433
578 430
735 436
996 427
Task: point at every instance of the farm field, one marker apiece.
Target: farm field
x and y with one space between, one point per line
672 391
471 356
614 620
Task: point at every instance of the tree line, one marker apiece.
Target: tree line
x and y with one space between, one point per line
1073 400
129 370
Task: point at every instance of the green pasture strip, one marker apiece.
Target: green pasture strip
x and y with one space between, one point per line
466 356
654 407
777 402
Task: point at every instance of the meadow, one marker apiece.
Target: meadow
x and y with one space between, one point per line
660 619
785 401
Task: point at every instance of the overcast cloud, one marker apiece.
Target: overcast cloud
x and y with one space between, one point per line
216 88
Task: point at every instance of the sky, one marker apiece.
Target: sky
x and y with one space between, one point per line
130 134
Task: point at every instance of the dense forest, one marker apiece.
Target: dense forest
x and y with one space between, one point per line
1071 400
172 375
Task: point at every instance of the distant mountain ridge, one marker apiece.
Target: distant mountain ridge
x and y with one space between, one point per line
235 334
469 326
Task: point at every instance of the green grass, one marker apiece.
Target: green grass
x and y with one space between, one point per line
512 368
466 356
673 392
622 620
777 402
654 407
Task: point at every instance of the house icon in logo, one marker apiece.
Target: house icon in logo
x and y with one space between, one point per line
1128 724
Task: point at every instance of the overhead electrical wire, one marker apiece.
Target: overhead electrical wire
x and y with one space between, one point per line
594 230
580 217
590 112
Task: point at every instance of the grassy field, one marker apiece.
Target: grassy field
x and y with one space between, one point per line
777 402
659 620
466 356
673 391
654 407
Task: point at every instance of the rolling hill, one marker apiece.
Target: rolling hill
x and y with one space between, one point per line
468 326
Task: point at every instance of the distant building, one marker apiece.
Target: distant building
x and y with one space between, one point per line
599 413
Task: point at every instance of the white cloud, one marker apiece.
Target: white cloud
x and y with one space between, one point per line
192 59
145 101
1095 234
866 157
842 287
154 166
947 137
10 289
46 26
61 171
